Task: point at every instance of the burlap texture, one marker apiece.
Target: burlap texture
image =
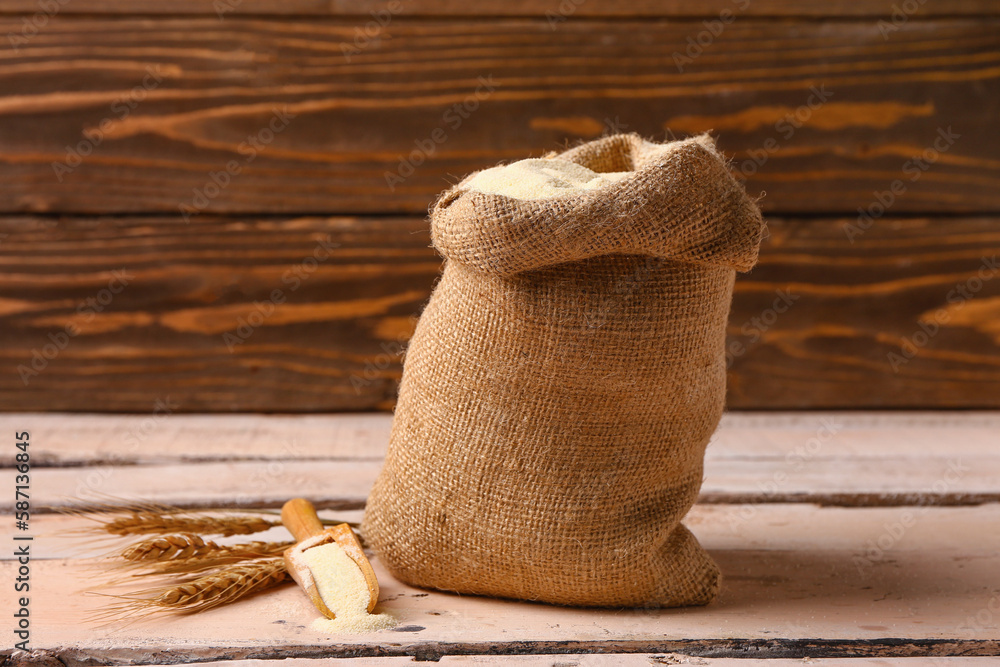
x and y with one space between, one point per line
563 382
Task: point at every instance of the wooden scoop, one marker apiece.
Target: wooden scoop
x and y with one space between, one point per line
299 517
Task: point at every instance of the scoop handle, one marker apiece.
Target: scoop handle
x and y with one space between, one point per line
299 517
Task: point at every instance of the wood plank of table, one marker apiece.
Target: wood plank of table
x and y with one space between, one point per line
368 10
826 320
64 439
192 114
943 480
800 580
624 659
67 439
330 484
245 461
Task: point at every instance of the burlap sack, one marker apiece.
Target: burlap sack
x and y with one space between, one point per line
563 382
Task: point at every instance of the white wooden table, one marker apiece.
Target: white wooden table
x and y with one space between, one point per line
860 539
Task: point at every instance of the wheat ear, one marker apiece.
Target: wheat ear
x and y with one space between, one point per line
223 586
188 546
141 523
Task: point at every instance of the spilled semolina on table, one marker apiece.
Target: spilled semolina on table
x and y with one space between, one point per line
856 536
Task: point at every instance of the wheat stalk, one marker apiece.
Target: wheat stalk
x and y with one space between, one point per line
188 546
179 546
225 585
180 550
132 517
140 523
222 586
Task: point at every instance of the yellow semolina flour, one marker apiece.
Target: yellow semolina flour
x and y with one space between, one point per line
343 588
540 178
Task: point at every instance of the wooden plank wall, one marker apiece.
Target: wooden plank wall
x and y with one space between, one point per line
220 207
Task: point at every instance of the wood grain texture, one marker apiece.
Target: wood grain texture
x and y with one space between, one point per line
232 314
903 314
70 440
352 121
257 461
559 659
863 585
488 8
742 482
793 586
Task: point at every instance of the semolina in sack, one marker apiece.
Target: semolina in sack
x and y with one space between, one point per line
565 377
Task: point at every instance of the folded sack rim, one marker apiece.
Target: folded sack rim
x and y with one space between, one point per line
680 202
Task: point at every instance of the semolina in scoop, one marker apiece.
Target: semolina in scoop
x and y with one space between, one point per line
318 558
